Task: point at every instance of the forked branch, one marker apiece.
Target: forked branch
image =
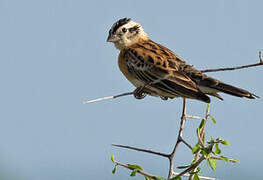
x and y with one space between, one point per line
178 141
172 154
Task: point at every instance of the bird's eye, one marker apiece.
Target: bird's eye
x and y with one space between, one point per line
124 30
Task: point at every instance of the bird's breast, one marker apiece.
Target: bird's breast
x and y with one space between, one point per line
124 69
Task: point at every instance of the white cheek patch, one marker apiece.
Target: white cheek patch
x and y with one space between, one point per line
129 38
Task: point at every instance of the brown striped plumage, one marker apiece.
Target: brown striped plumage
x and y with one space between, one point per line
155 70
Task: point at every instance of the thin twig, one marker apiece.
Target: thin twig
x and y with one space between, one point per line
188 145
139 171
107 98
148 150
142 150
237 67
200 138
218 158
192 117
202 133
179 139
232 68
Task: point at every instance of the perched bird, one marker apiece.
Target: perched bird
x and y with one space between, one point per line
157 71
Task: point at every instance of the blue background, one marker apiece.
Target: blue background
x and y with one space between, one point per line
54 55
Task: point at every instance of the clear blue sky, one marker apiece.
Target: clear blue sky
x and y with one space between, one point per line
54 55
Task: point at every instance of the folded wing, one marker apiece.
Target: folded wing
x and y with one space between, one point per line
159 68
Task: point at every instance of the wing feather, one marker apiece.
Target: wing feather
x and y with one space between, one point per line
158 67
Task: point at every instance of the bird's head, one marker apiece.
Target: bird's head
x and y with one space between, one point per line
125 33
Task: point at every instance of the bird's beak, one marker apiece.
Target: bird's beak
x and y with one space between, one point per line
112 38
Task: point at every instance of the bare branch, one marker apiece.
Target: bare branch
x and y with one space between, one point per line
150 151
188 145
232 68
142 150
107 97
237 67
179 139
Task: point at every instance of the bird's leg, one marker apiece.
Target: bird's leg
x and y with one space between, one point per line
138 93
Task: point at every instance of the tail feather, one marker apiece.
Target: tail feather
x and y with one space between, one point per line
234 91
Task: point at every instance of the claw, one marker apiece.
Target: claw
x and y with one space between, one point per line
138 93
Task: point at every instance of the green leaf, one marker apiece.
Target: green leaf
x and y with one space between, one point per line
176 178
195 176
224 158
208 107
205 151
212 163
213 119
112 158
182 167
134 167
235 161
155 178
159 178
133 173
148 178
202 124
196 148
217 150
224 142
198 170
114 170
198 131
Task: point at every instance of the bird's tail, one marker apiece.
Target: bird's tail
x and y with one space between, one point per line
234 91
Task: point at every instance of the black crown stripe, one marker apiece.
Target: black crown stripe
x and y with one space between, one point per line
119 23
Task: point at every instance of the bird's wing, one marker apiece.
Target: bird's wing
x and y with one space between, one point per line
159 67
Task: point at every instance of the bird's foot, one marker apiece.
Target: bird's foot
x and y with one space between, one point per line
164 98
138 93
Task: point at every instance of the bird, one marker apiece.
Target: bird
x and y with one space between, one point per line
157 71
